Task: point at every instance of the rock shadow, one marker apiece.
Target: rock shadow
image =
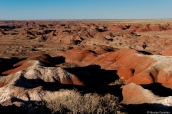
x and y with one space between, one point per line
158 89
31 106
148 109
58 60
33 83
144 52
6 64
12 109
96 80
93 75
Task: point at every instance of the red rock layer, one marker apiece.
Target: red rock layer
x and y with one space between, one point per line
19 68
130 65
44 58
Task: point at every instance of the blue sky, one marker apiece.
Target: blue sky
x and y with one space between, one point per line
84 9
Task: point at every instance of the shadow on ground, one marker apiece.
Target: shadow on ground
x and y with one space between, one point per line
6 64
148 109
12 109
158 89
96 80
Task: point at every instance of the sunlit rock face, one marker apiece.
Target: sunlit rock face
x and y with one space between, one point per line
131 65
136 94
36 70
27 80
30 83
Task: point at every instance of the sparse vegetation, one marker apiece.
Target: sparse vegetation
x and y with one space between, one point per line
73 102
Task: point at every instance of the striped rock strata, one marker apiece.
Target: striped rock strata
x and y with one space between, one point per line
131 66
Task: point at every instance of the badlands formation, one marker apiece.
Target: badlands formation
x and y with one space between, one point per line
96 66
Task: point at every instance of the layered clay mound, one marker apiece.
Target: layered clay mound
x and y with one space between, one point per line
131 65
44 58
79 56
143 28
136 94
34 70
40 60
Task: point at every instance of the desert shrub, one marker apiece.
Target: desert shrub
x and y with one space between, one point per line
73 102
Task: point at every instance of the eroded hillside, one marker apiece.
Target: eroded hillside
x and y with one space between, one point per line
104 66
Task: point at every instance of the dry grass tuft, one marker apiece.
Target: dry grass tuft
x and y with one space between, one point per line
73 102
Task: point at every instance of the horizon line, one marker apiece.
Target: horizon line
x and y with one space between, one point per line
80 19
